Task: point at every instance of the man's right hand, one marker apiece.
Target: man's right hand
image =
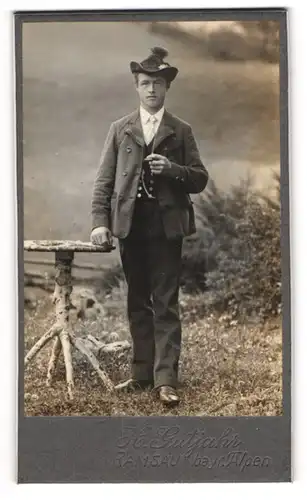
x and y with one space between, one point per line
101 236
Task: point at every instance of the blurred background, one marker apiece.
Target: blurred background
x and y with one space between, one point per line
76 81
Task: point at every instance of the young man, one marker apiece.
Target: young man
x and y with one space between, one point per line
149 165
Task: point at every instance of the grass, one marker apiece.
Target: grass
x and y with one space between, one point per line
226 368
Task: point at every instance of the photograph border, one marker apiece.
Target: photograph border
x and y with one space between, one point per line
132 449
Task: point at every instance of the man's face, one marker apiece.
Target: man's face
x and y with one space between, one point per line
152 91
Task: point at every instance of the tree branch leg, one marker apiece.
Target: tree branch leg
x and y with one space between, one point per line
56 351
41 343
65 340
93 360
61 297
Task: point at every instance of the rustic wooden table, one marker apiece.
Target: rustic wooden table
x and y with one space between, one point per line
61 331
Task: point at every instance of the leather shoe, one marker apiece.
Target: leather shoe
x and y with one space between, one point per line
168 395
133 385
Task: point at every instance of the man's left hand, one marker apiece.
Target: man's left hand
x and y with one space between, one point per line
158 164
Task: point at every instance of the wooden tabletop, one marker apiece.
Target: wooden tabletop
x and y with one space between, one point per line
67 245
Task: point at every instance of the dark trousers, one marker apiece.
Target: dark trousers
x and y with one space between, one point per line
152 267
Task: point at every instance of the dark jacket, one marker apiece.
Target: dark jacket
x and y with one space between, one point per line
116 183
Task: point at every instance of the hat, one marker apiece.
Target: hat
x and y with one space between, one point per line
155 64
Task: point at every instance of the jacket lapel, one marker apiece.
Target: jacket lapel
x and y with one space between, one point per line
165 130
134 128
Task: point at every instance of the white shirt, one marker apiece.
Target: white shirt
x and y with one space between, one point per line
147 125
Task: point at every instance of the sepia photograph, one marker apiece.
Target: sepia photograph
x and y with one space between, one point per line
152 275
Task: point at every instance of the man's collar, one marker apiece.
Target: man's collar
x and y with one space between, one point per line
134 128
145 116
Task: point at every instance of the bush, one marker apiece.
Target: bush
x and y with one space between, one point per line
235 257
217 213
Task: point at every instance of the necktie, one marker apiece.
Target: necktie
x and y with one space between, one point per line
152 130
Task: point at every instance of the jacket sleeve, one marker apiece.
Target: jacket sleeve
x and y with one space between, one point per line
192 175
104 182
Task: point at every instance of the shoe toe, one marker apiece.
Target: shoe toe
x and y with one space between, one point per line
168 395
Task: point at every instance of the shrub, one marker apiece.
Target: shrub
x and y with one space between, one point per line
217 213
235 257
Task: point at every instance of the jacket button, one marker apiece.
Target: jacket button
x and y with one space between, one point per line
124 173
128 149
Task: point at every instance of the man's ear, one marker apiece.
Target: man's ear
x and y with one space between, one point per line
136 80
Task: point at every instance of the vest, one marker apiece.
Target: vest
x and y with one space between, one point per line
146 186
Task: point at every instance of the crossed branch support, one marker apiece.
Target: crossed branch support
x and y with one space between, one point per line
61 332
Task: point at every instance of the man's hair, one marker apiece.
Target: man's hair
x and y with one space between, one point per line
136 79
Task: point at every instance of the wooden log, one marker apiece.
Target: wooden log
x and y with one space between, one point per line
97 343
114 347
108 347
65 245
79 344
47 285
38 279
43 262
38 274
61 298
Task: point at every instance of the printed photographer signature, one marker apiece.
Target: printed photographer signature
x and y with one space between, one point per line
173 437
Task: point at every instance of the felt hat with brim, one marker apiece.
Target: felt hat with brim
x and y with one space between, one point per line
155 65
